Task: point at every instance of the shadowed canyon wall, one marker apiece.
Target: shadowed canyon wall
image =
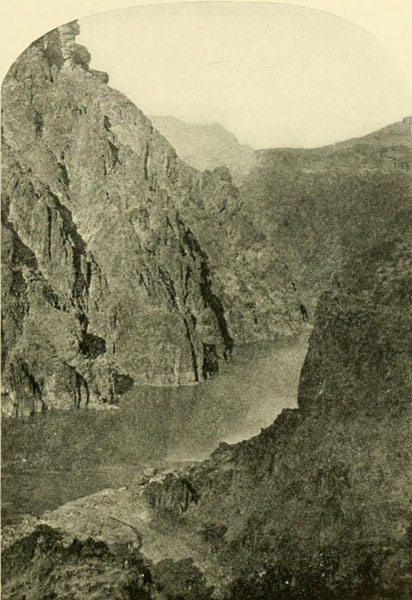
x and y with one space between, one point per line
318 203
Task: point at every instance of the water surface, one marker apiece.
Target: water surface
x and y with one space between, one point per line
58 456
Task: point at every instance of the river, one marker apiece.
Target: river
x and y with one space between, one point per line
58 456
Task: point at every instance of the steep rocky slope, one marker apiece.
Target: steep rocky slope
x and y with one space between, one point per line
316 506
324 493
106 278
206 146
317 203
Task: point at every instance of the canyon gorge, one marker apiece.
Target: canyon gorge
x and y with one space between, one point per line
209 346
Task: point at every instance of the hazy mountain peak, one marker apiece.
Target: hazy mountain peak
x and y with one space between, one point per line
206 146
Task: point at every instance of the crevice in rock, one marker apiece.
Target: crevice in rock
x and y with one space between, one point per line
49 230
216 304
38 123
88 273
170 286
192 350
81 384
92 346
79 247
304 312
187 279
63 174
22 379
145 162
51 297
209 297
210 365
114 151
22 254
142 282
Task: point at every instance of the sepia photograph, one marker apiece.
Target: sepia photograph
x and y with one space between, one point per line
206 300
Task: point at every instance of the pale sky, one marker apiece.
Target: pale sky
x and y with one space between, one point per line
275 75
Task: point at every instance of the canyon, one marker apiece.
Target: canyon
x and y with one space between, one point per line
335 471
128 277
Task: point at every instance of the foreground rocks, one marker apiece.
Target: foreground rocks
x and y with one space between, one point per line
115 542
324 492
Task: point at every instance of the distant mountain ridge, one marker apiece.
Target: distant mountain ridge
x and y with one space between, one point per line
206 146
399 133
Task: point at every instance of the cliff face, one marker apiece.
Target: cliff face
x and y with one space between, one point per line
106 281
324 492
103 279
318 504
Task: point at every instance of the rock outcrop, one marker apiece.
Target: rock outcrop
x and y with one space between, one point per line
39 567
113 284
121 262
170 492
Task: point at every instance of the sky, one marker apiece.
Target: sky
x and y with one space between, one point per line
275 75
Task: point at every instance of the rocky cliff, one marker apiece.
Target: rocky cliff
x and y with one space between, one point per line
115 263
125 264
324 492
